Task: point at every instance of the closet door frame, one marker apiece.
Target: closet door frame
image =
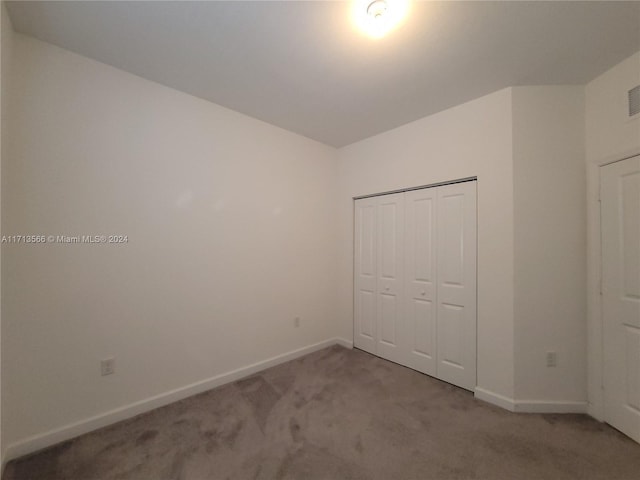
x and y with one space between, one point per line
371 284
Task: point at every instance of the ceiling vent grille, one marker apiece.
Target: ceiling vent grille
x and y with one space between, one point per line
634 101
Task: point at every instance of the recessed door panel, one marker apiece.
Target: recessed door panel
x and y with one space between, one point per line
630 238
367 239
451 237
422 334
620 223
367 309
389 218
422 239
633 370
388 319
451 323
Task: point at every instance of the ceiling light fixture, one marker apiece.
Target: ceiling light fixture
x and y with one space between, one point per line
376 18
377 9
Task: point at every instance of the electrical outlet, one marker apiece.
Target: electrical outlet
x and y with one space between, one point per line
552 359
296 322
108 366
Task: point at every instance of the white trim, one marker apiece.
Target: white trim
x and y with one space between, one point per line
343 342
495 399
616 157
544 406
530 406
67 432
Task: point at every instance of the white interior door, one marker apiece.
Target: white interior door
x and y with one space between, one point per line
390 277
420 280
456 284
364 335
620 223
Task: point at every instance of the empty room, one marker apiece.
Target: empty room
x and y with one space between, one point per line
369 239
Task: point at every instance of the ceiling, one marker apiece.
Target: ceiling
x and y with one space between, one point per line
304 67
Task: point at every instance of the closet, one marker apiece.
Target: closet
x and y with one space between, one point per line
415 280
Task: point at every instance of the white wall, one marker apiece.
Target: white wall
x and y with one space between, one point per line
550 246
610 136
231 235
6 39
609 133
473 139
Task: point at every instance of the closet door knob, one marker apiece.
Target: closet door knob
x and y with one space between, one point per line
423 293
386 288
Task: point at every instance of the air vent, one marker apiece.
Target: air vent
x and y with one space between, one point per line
634 101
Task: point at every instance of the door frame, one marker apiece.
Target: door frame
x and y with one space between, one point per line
595 316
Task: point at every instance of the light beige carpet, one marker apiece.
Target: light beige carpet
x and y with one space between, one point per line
339 414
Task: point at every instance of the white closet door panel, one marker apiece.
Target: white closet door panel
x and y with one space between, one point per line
388 318
451 323
620 223
419 321
389 279
456 284
365 274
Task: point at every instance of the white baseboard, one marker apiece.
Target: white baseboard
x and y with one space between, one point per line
344 342
495 399
543 406
530 406
596 410
67 432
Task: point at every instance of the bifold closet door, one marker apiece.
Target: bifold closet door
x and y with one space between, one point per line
420 312
415 280
456 284
365 265
379 231
440 282
390 277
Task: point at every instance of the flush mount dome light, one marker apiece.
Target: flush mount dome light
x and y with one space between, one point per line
378 17
377 9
